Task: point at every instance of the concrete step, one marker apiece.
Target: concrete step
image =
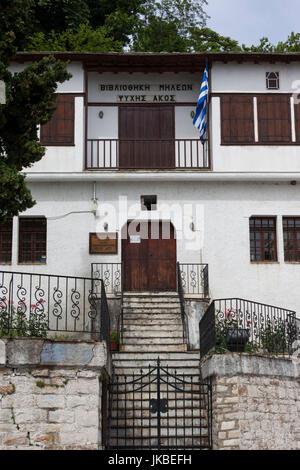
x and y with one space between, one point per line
168 317
165 443
166 358
136 371
158 348
143 308
174 404
152 296
146 333
172 365
188 432
144 414
152 340
159 325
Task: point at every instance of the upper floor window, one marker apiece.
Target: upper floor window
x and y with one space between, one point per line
263 239
60 130
291 238
274 118
32 239
272 80
6 241
237 119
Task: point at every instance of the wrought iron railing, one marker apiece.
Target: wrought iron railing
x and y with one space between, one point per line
111 274
242 325
182 307
38 304
194 279
104 154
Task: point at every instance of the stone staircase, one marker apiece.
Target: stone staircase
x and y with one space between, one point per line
152 328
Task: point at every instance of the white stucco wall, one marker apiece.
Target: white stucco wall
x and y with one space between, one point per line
223 218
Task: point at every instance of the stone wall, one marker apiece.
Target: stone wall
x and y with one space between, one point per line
256 401
51 394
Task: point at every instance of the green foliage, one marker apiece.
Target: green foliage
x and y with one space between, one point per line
166 26
14 20
273 337
292 44
85 39
40 384
30 98
16 324
221 328
114 336
207 40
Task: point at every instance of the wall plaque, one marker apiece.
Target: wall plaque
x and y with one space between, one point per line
103 243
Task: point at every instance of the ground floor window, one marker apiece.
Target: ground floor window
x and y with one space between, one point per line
263 239
291 238
6 241
32 239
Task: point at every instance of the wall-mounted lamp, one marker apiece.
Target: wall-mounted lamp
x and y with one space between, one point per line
94 206
105 226
101 114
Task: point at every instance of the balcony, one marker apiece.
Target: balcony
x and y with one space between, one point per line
163 154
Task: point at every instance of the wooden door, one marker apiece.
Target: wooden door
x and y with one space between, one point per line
146 137
149 258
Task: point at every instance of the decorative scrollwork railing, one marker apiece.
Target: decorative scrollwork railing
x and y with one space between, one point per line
111 274
237 324
36 304
194 279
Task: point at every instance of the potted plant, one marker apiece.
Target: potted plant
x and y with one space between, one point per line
114 341
236 339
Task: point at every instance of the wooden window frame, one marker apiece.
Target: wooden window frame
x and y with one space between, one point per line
35 252
6 229
233 99
294 230
262 229
44 139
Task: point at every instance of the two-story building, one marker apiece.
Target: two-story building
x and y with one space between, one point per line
121 150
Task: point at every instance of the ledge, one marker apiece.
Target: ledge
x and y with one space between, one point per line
232 364
43 352
180 175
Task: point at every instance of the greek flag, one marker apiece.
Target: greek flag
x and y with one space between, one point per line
200 119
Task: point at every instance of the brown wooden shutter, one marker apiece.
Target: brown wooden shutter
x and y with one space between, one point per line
32 239
6 241
274 118
147 137
60 130
297 121
237 119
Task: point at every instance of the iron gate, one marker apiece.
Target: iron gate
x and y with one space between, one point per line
159 409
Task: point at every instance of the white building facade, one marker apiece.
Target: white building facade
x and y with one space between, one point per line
122 149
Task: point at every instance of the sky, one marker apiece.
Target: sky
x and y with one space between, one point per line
249 20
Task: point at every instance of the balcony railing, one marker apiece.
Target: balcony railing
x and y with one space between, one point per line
163 154
242 325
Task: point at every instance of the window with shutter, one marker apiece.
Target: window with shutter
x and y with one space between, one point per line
263 239
274 118
60 130
32 239
237 118
291 238
6 241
